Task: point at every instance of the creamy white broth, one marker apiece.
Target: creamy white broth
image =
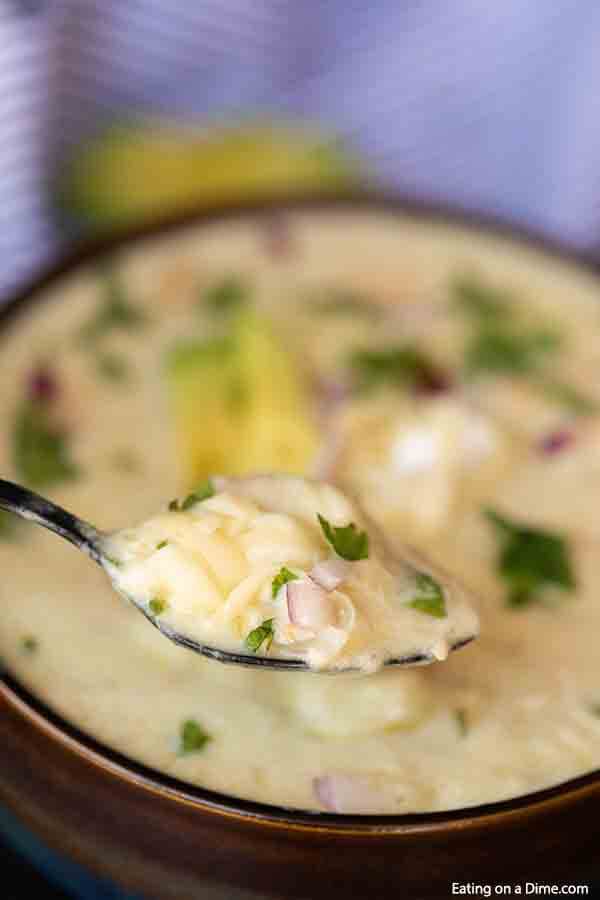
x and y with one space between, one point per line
512 713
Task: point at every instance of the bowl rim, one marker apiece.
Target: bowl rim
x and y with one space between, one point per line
154 782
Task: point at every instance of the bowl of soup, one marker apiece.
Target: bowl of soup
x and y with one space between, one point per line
442 372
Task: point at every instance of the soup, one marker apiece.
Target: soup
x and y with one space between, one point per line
445 379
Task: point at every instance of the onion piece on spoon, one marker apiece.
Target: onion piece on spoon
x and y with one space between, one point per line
330 573
309 605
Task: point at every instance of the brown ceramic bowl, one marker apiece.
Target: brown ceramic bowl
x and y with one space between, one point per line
165 839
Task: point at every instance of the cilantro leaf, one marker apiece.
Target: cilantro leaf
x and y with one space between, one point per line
202 492
283 576
226 296
568 397
430 597
507 350
192 737
161 544
531 560
479 300
157 605
347 541
40 451
29 644
258 636
404 366
114 312
462 721
112 367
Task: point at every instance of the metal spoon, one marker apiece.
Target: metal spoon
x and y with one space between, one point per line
88 539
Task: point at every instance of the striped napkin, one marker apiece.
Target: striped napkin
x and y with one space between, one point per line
492 105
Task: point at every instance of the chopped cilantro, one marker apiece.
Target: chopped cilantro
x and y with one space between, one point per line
429 598
479 300
157 605
202 492
161 544
283 576
112 367
261 635
404 366
507 350
114 312
192 737
29 644
174 506
40 451
568 396
531 560
226 296
462 721
347 541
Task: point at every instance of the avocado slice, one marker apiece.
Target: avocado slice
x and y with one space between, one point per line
202 378
137 172
240 404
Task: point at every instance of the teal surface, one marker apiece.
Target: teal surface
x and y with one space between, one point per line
72 878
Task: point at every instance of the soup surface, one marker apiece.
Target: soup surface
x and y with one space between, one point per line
446 379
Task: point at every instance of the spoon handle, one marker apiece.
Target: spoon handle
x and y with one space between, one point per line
29 505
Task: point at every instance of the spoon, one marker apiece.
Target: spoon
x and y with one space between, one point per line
35 508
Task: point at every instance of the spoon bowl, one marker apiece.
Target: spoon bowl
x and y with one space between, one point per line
90 540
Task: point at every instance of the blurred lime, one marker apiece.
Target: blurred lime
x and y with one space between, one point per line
135 173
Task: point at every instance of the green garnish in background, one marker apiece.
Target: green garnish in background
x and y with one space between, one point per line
112 367
430 597
283 577
462 721
347 541
530 560
502 350
568 396
226 296
115 311
404 366
478 300
192 737
40 450
258 636
30 644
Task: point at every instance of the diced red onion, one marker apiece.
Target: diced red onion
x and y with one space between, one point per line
309 606
42 385
342 793
557 441
330 573
433 381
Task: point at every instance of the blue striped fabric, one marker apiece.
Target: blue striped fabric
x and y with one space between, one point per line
491 105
